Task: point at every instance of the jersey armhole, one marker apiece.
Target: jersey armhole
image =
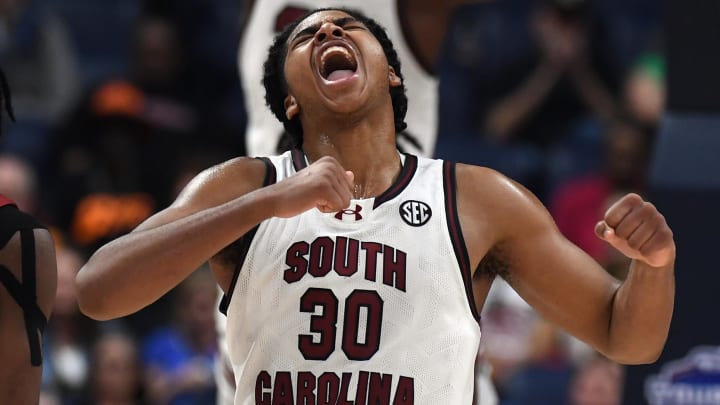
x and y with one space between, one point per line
270 178
13 220
456 235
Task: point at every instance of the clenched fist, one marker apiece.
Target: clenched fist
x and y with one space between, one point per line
638 230
324 185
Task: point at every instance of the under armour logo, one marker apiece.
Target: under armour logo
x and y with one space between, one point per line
347 211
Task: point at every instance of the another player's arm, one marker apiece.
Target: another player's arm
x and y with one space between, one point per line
19 379
627 322
216 208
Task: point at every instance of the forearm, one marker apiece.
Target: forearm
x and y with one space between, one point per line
593 92
135 270
641 314
513 110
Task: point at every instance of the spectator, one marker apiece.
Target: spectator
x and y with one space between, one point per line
107 158
530 358
507 325
545 377
210 33
577 202
40 61
597 382
644 89
115 372
18 181
530 106
115 189
179 358
66 369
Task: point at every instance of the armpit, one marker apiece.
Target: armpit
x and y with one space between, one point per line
231 254
495 263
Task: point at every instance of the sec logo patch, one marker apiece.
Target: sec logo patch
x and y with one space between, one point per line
415 213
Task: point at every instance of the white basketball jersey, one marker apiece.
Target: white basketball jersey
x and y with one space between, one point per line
264 130
369 305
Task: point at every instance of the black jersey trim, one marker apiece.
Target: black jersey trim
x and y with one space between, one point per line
406 174
246 240
270 172
26 296
13 220
456 236
298 159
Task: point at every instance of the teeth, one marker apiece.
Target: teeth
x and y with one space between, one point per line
335 49
336 57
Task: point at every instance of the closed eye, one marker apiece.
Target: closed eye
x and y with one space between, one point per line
354 26
299 40
346 23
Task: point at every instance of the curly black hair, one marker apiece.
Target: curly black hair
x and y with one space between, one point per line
276 87
5 99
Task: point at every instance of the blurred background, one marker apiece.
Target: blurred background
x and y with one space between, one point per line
120 103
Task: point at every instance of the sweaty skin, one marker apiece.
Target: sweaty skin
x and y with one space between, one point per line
506 229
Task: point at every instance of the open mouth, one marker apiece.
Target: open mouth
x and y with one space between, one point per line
337 63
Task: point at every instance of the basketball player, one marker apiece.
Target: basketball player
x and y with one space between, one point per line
417 29
354 273
28 277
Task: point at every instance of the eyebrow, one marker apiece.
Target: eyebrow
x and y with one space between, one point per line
340 22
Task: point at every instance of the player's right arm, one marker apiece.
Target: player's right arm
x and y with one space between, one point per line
219 206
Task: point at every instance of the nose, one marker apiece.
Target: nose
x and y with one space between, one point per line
328 31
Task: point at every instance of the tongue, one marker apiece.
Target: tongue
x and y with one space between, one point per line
339 75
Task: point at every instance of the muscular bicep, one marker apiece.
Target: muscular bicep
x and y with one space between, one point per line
510 233
562 282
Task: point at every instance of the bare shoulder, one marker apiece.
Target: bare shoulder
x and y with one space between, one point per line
212 187
495 210
496 194
223 182
45 265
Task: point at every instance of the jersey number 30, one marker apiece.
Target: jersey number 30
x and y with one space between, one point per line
324 324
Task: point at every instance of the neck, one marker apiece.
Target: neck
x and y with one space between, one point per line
365 148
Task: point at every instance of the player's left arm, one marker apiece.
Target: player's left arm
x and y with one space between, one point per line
629 321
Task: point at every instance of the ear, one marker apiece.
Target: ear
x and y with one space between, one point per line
291 107
395 80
